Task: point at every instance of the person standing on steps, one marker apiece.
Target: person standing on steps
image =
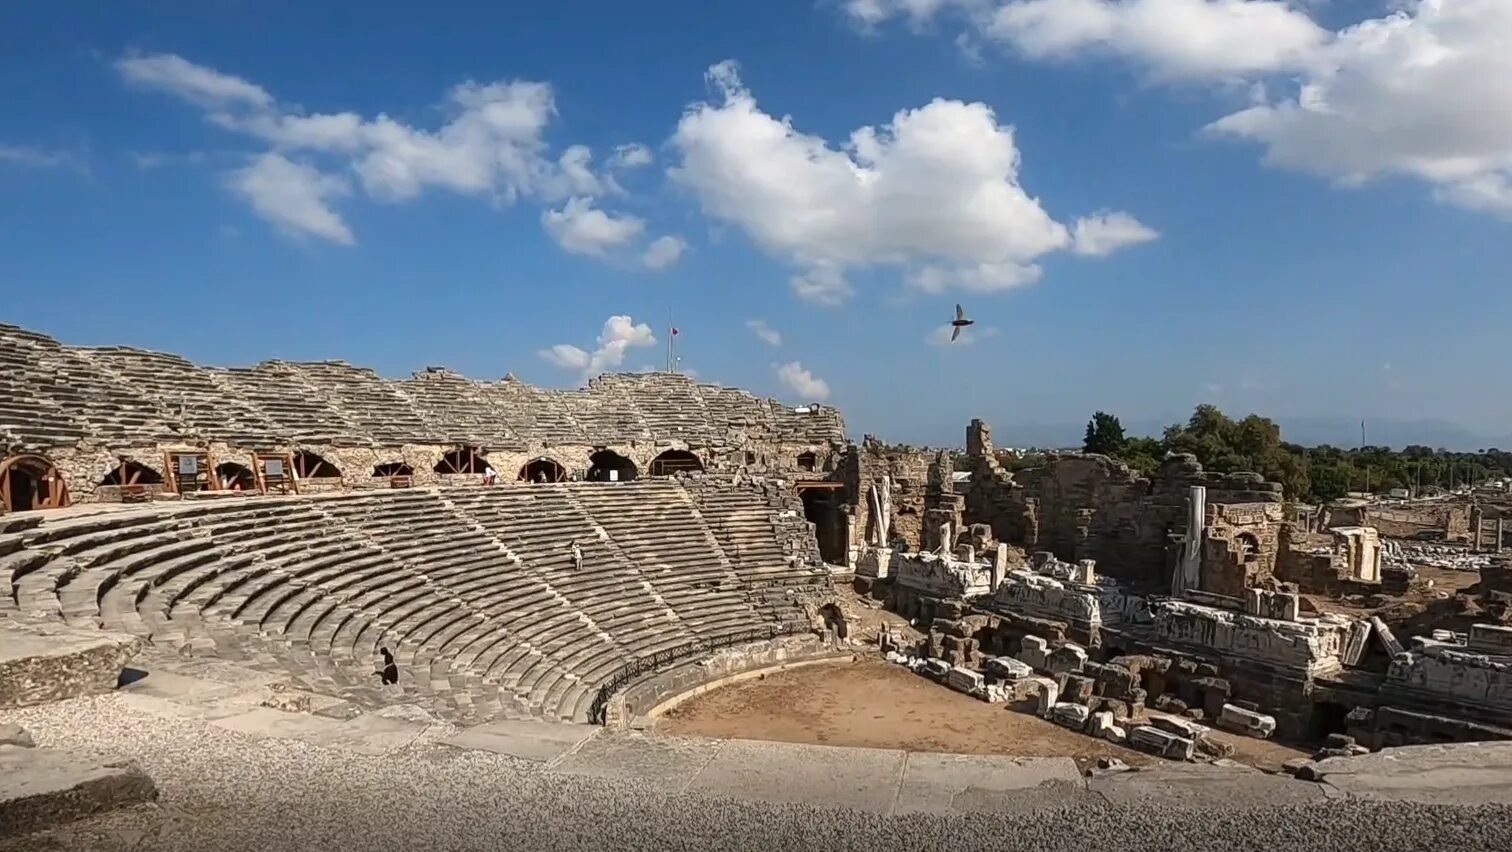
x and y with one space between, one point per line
490 476
390 673
577 556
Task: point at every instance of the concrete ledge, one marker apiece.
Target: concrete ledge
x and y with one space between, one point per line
41 663
41 787
1452 773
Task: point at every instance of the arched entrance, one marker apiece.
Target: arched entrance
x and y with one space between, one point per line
308 465
388 470
675 461
543 470
235 477
462 460
609 466
130 473
31 482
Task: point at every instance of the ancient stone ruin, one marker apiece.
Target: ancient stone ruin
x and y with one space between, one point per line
480 552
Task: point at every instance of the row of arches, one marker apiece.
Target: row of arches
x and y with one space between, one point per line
30 482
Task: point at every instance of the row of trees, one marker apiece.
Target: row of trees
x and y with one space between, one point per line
1307 473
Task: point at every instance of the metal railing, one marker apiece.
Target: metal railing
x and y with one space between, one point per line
698 648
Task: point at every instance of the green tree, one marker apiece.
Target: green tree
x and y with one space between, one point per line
1105 435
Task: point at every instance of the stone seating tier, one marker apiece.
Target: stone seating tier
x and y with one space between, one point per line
474 589
54 396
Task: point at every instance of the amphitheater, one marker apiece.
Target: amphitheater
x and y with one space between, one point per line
205 564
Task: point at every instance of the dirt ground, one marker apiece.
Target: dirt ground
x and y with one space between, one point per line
874 704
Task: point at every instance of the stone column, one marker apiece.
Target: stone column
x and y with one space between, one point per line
1188 572
1499 538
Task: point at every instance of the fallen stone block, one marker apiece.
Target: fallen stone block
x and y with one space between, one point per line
1246 722
43 663
1073 716
1008 668
1049 692
15 735
42 788
1150 739
1181 727
966 680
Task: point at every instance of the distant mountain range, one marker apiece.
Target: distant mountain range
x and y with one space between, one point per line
1307 431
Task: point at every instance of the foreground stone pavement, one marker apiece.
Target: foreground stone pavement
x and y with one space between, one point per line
403 787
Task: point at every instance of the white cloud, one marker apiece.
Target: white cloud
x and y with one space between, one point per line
491 143
28 155
1187 39
664 252
567 356
631 156
938 185
822 285
807 386
870 13
620 334
581 228
1425 92
196 83
1108 231
1173 39
293 196
768 335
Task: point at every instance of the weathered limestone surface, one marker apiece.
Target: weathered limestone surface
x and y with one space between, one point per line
51 662
1310 646
88 409
41 787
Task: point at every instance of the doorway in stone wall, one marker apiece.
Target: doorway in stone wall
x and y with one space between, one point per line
31 482
609 466
543 470
823 506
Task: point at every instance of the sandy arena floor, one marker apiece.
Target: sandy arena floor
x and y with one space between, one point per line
878 705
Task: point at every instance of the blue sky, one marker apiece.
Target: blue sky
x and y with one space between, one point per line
1304 210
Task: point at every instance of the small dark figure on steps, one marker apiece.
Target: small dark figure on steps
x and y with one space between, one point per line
390 673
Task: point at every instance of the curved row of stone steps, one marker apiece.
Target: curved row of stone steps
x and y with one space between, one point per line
474 589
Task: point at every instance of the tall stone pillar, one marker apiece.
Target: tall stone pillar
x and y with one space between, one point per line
1477 520
979 439
1499 538
1188 572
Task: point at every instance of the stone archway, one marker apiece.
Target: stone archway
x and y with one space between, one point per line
609 466
308 465
129 474
235 477
29 482
463 460
675 461
543 469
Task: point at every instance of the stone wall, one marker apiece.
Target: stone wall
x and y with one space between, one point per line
87 410
908 467
1448 519
686 680
1310 647
1453 677
1082 506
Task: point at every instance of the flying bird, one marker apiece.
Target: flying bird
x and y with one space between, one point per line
959 323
